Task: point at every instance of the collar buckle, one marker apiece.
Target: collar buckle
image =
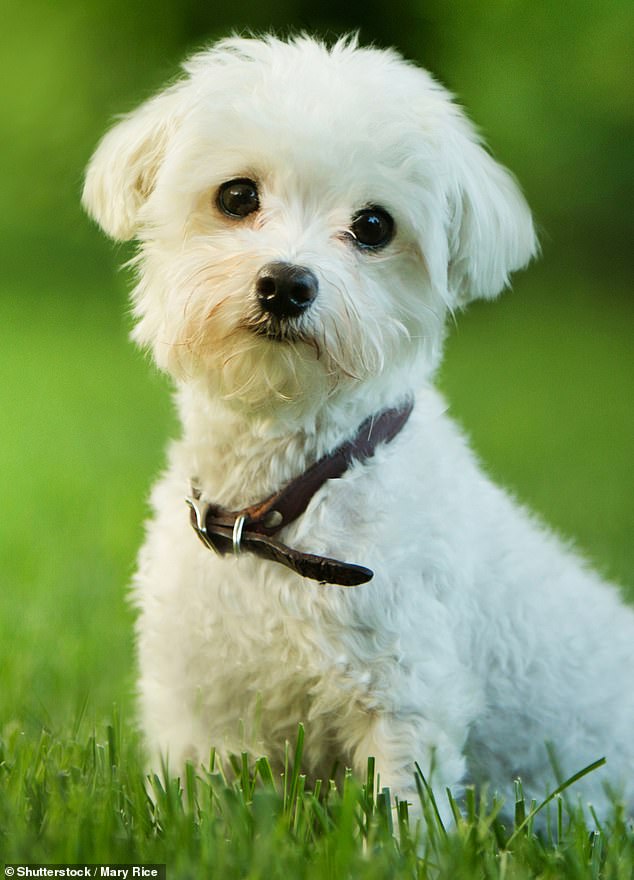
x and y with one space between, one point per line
199 510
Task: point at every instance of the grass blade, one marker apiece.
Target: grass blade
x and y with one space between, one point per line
560 788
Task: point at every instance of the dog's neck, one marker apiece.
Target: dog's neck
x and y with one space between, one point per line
240 455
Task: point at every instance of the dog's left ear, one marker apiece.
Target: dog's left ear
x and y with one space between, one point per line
491 231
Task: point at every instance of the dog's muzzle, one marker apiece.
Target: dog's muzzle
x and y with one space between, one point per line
285 290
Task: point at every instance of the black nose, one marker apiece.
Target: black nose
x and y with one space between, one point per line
285 290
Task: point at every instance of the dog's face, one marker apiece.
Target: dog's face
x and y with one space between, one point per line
306 217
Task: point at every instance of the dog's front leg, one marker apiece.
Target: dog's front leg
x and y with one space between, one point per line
405 695
399 743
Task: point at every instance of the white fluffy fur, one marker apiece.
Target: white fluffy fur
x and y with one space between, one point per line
481 637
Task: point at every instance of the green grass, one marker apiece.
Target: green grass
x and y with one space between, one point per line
86 429
542 381
74 799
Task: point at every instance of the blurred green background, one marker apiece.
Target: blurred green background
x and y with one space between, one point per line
542 379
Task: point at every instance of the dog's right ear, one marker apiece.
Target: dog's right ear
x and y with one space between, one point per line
123 170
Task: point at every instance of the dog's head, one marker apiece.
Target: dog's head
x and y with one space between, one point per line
306 217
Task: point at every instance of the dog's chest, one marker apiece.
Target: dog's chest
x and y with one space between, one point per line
264 638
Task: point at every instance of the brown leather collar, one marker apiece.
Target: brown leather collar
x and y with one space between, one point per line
251 529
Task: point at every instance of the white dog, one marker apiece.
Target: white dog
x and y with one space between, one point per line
307 217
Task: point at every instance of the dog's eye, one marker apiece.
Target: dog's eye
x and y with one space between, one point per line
238 198
372 227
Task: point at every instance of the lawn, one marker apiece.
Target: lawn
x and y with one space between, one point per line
85 801
542 381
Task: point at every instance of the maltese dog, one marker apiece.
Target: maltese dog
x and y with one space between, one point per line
324 547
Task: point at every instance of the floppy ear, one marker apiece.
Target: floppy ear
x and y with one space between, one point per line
491 230
123 170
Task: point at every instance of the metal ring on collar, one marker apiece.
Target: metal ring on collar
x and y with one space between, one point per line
237 533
